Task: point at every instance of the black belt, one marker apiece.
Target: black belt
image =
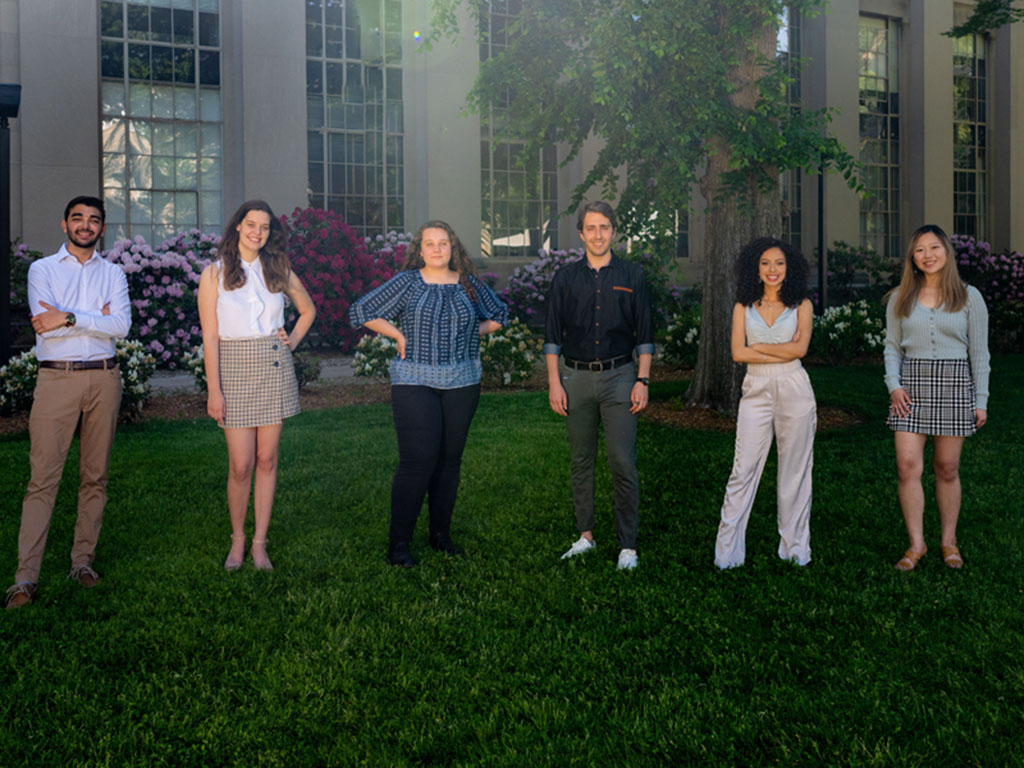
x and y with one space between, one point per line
79 365
599 365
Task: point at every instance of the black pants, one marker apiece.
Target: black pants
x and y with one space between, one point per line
432 425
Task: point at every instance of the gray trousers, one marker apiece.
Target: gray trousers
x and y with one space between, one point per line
777 401
603 397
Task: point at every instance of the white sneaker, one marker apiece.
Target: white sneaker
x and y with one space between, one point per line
581 545
627 559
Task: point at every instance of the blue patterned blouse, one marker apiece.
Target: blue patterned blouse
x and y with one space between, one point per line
441 326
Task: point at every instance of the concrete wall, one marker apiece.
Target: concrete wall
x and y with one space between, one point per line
57 130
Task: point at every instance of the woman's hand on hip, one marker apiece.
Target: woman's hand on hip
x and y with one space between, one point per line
282 335
900 402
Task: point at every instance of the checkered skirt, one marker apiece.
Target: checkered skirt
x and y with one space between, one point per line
257 377
943 397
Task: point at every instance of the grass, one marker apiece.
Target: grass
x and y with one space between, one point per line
510 657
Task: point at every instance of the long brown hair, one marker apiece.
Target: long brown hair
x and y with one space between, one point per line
460 261
952 290
273 255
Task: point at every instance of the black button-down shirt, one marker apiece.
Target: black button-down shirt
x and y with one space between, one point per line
599 314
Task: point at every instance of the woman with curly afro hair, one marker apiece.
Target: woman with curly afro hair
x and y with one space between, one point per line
771 329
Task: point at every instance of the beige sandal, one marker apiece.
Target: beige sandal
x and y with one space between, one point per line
909 560
951 557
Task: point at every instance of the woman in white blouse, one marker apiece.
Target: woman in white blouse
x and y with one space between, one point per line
247 354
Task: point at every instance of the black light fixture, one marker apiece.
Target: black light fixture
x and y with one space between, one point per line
10 99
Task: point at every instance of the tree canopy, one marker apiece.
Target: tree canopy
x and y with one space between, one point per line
987 16
678 93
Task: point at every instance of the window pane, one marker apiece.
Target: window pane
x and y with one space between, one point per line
209 68
185 173
160 24
113 135
114 201
163 139
209 173
209 29
163 64
209 104
112 59
185 103
138 62
139 100
138 22
184 27
113 170
163 102
140 172
111 23
163 173
185 140
184 65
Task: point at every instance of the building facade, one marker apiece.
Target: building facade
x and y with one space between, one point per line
178 110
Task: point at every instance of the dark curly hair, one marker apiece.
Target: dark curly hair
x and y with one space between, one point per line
750 289
460 261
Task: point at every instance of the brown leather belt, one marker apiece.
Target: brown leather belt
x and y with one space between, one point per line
599 365
80 365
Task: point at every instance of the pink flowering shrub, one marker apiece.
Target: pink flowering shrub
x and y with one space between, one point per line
999 276
527 289
162 284
335 266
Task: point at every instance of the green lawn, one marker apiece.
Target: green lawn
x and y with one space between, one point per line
510 656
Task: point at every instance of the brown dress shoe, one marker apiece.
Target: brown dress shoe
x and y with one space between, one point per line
85 576
20 594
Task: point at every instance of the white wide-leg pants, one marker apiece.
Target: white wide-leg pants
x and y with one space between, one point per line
777 400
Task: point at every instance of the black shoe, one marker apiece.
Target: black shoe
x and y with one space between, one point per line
399 554
442 542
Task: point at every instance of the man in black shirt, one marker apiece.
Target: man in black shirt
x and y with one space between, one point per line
599 312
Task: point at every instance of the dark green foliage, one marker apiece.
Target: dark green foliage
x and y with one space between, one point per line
509 656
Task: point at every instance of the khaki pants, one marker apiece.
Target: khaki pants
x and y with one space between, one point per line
777 401
60 397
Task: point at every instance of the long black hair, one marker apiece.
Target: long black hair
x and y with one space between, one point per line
750 289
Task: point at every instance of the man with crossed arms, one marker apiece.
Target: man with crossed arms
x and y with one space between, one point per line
599 312
79 304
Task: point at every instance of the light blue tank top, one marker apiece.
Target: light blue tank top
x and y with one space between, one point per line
759 332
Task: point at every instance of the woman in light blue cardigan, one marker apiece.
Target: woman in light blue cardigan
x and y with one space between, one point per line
936 370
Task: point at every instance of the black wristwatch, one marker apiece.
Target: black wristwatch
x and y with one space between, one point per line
70 320
644 380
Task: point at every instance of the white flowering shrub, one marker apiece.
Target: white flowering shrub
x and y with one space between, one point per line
373 356
682 339
849 331
18 379
509 354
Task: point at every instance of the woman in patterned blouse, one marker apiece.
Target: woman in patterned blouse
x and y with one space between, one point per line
436 309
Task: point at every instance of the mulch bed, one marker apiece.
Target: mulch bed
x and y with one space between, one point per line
339 393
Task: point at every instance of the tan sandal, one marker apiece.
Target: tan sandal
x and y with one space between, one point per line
951 557
909 560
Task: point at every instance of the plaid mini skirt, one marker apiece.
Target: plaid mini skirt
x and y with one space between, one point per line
257 377
943 397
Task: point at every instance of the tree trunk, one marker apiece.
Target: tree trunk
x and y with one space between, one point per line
729 225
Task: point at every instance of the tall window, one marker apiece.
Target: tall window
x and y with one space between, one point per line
354 111
518 195
161 114
879 44
788 52
970 136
